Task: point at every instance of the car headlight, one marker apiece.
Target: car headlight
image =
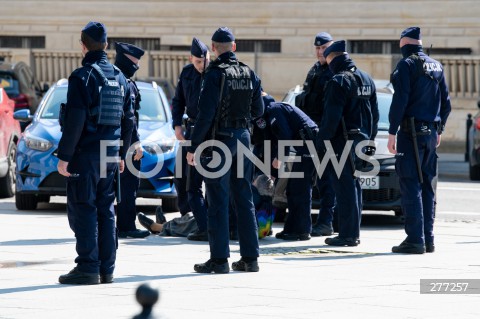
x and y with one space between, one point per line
37 143
160 147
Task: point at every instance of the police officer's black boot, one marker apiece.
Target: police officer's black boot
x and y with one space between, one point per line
409 248
320 229
215 265
77 277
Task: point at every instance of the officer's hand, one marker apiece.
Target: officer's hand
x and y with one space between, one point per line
392 147
62 168
191 159
121 166
276 163
439 139
138 152
179 133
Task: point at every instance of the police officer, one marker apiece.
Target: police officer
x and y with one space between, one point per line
190 197
127 60
351 113
287 122
311 102
230 97
420 107
98 109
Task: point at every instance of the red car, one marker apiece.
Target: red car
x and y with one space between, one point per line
9 136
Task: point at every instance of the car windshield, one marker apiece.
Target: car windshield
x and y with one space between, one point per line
9 84
151 106
384 101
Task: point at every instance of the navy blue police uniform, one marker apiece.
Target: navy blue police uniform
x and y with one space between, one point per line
311 102
422 93
96 110
129 181
190 197
228 114
350 96
287 122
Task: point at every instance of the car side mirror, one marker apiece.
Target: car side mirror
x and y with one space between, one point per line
23 115
45 87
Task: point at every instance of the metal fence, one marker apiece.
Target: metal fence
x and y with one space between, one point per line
462 72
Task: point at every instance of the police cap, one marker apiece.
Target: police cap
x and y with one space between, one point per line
130 49
96 30
223 34
199 49
337 46
411 32
322 38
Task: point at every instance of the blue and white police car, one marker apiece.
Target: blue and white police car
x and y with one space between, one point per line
37 177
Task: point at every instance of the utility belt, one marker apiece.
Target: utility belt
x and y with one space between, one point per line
241 123
421 127
308 133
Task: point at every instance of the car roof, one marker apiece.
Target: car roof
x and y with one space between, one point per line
64 83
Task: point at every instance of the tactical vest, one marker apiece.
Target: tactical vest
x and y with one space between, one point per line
109 108
419 68
360 91
311 99
238 90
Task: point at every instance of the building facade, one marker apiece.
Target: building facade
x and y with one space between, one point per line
273 37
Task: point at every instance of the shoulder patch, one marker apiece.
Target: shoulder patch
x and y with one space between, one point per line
261 123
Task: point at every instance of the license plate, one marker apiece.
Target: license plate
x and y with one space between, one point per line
370 182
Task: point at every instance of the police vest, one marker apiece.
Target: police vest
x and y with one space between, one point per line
361 90
136 98
237 95
109 107
422 67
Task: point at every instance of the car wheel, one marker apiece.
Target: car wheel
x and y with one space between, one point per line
7 183
474 172
170 204
26 201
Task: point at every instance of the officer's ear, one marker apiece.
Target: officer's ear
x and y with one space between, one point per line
234 47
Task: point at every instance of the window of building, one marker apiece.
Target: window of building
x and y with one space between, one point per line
247 45
22 42
147 44
373 46
392 47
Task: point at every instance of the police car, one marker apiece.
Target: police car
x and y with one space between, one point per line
382 191
37 177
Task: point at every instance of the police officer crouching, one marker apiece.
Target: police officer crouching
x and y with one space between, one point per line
229 99
420 106
351 113
98 109
127 60
189 185
289 123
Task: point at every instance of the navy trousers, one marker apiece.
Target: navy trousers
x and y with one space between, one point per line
348 194
219 190
126 209
91 214
181 183
418 200
327 198
299 196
